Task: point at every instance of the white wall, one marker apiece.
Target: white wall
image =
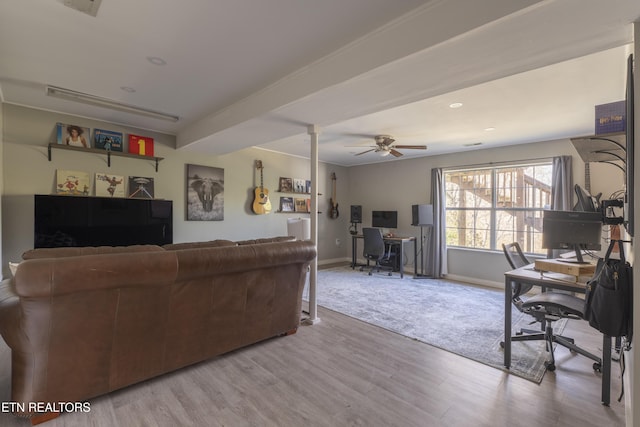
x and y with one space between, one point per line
27 171
401 183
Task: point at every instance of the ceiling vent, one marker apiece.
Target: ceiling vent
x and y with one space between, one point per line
90 7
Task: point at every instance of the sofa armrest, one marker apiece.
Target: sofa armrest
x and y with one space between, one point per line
9 313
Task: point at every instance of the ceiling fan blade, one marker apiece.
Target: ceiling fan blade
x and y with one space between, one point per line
365 152
395 152
388 141
416 147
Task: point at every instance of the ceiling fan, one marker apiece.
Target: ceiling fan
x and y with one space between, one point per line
385 146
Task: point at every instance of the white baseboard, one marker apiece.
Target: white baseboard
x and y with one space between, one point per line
475 281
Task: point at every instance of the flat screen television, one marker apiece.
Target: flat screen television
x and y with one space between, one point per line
572 230
101 221
384 219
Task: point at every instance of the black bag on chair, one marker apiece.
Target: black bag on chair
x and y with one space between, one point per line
609 296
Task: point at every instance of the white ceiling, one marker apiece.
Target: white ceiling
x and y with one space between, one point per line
242 73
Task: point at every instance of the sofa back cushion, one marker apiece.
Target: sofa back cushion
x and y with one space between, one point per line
87 250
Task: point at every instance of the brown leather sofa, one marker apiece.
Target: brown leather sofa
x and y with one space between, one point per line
83 322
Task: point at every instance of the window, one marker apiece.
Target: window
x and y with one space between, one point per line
486 207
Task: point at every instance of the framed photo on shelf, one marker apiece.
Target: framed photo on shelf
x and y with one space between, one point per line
107 140
301 204
285 185
73 135
286 204
109 185
141 145
73 183
298 185
307 186
141 187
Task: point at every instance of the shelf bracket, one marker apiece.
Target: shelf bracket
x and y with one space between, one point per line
49 151
109 158
156 164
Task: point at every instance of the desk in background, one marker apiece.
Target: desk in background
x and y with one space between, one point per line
395 241
528 275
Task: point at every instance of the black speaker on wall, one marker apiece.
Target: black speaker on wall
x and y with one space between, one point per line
356 214
422 215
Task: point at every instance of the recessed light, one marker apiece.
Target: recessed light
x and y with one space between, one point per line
473 144
127 89
455 105
489 129
156 60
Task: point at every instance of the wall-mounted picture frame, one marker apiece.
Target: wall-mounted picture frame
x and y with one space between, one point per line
108 185
285 185
205 193
73 135
286 204
72 183
107 140
141 187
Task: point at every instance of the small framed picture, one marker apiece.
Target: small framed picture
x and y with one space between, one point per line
301 204
107 140
73 135
298 185
109 185
74 183
141 187
142 145
307 187
286 204
286 185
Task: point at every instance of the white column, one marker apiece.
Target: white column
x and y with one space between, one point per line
313 275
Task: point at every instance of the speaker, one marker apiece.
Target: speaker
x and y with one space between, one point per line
422 215
356 214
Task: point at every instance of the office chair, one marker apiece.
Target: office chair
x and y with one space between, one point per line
546 308
376 250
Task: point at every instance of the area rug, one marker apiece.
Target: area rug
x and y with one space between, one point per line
463 319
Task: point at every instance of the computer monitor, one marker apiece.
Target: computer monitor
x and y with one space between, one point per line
384 219
572 230
586 202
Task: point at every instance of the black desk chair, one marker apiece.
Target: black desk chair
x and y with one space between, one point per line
376 250
546 308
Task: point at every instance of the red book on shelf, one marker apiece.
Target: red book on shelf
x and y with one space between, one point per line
141 145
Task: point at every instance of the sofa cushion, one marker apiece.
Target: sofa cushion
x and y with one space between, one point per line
266 240
197 245
87 250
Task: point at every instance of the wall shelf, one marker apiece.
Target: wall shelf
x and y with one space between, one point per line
104 153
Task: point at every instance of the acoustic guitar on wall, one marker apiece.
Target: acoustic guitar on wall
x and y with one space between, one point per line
261 202
333 212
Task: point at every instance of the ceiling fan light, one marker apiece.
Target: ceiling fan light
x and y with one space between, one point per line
384 153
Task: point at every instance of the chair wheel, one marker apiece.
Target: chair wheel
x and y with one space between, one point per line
501 344
550 366
597 367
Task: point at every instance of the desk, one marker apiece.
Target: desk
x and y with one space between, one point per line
529 276
396 241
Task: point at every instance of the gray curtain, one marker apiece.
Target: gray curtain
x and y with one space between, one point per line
562 184
561 191
437 262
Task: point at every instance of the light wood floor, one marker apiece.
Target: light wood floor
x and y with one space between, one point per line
343 372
